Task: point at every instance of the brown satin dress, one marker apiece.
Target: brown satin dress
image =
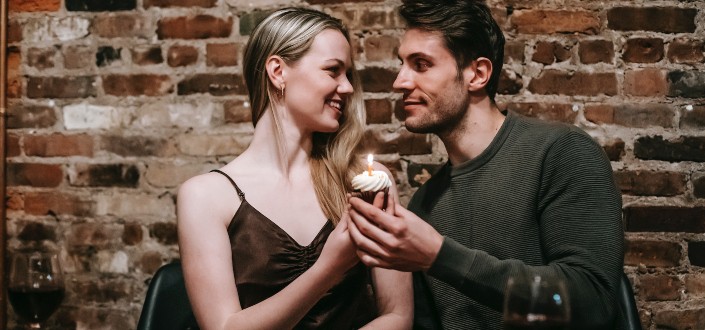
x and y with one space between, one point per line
266 259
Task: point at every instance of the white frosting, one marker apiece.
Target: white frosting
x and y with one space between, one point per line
375 182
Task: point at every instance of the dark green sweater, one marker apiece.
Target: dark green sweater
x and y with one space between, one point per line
541 198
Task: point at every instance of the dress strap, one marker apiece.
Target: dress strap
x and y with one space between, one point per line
239 192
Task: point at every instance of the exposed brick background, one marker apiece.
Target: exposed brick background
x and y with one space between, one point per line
114 103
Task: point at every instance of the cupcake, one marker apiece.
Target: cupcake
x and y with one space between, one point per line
367 184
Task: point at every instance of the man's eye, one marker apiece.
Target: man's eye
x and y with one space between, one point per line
422 65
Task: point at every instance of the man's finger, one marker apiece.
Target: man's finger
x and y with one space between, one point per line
372 213
364 243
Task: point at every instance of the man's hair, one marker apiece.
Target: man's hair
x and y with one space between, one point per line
468 28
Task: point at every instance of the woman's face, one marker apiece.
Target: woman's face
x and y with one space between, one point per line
318 85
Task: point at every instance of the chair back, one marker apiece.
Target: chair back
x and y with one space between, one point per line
627 305
166 305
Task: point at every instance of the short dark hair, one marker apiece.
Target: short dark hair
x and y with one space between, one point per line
468 29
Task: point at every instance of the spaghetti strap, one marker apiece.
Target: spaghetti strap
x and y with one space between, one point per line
239 192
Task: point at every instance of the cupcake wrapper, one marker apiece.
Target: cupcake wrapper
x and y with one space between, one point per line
369 196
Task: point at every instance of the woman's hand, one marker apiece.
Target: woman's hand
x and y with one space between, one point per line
339 253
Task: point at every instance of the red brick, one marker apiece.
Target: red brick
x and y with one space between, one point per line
551 52
43 203
372 18
33 5
100 5
109 290
555 21
546 111
646 82
14 80
665 219
614 148
418 173
600 113
150 262
179 3
643 50
379 111
215 84
27 116
596 51
14 201
222 54
695 285
649 183
686 51
147 56
79 57
122 26
640 115
578 83
376 79
688 319
196 27
58 145
105 175
91 235
402 142
237 112
181 55
659 287
514 50
696 253
61 87
690 84
132 234
14 32
34 175
510 83
139 84
41 58
381 48
137 146
37 232
164 232
683 148
13 145
652 253
699 185
659 19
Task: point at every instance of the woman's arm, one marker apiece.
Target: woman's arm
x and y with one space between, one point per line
206 259
393 289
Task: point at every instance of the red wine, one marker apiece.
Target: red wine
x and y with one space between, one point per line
35 304
545 324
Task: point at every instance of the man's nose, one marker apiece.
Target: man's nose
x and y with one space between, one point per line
403 81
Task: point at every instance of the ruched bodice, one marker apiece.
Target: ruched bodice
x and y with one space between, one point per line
266 259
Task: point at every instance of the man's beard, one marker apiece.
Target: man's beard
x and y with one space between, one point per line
444 115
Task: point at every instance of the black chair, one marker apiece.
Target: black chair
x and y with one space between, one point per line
166 305
627 305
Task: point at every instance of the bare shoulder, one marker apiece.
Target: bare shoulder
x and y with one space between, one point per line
209 195
379 167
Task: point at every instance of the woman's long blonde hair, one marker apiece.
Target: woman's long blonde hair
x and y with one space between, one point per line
289 33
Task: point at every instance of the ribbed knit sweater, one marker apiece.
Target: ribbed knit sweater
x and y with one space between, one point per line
539 199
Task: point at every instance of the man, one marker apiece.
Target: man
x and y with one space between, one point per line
517 196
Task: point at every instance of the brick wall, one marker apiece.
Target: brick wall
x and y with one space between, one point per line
114 103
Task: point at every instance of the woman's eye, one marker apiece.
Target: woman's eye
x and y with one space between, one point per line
422 65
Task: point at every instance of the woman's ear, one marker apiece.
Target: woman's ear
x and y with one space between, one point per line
275 70
478 74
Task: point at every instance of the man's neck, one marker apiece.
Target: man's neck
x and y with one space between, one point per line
474 133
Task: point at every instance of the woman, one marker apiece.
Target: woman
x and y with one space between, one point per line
271 218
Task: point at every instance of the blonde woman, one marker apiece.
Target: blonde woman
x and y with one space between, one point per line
263 241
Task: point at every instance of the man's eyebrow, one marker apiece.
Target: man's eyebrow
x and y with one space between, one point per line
413 56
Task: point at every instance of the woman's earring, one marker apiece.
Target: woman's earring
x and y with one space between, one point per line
282 91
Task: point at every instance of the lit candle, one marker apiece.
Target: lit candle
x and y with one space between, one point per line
369 164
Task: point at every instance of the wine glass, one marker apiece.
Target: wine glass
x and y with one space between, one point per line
36 286
536 302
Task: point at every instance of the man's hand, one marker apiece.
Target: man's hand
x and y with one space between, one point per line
394 238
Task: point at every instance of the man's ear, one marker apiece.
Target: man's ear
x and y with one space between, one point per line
275 70
478 74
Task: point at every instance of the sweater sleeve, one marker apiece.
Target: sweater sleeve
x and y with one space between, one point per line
579 215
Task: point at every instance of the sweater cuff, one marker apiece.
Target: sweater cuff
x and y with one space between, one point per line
453 262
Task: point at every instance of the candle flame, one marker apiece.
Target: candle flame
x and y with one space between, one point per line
369 164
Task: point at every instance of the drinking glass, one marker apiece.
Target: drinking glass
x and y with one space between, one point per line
36 286
536 302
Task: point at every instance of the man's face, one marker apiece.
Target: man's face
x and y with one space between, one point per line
435 99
